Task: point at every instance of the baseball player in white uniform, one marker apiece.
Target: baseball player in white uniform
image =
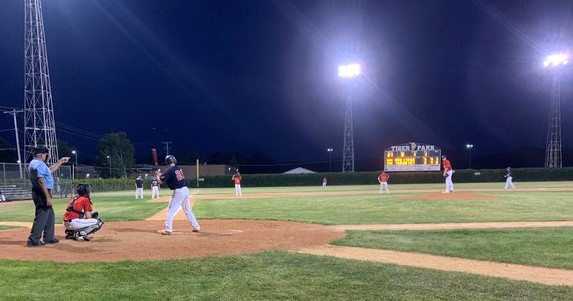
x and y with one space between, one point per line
154 189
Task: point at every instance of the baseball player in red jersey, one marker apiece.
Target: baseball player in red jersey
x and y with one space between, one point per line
79 220
383 180
237 180
448 172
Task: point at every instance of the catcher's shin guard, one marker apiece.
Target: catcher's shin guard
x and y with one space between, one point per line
91 229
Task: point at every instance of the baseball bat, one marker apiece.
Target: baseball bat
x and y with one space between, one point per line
154 156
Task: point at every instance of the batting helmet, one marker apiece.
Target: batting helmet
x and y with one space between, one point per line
170 160
83 189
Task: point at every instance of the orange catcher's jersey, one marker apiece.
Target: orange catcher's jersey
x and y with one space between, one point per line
81 204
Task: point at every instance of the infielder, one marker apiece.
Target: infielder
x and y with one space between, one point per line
509 179
79 220
138 188
383 180
175 180
448 172
154 188
237 180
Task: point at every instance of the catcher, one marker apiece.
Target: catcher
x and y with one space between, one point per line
78 218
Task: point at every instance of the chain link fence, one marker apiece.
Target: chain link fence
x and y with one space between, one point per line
15 182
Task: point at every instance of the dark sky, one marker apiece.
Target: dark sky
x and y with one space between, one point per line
261 75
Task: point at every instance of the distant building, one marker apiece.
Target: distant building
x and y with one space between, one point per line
298 170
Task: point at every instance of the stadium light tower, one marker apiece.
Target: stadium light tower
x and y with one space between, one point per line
329 150
469 147
348 72
39 124
553 155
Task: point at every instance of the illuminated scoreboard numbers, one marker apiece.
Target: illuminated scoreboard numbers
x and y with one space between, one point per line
412 160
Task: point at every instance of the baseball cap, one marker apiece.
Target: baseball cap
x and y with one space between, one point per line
41 150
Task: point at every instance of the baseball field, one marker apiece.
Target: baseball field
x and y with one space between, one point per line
305 243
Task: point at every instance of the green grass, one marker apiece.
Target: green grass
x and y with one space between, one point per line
547 247
285 276
265 276
111 206
395 208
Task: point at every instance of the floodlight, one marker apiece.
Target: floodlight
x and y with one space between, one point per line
350 70
556 59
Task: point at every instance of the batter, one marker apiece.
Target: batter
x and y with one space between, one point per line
175 180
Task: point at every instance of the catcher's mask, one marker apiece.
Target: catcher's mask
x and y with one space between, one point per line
83 189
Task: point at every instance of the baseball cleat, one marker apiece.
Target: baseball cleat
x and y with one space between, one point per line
165 232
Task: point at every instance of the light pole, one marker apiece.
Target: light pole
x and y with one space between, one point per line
329 150
348 72
75 166
469 147
109 159
553 155
13 113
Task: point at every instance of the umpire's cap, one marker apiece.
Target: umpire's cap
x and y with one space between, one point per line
41 150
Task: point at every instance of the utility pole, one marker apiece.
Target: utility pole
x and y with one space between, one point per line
166 147
13 113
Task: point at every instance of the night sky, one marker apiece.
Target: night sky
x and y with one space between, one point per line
261 75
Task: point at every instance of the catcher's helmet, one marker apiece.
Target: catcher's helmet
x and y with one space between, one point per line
83 189
170 159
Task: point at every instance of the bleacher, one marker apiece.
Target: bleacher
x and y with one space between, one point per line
13 192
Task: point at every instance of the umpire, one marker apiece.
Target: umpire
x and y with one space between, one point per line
42 185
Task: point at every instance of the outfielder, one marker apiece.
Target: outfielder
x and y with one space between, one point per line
79 220
448 172
383 180
175 180
154 188
324 182
509 180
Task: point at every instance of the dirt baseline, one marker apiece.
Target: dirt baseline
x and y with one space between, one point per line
142 241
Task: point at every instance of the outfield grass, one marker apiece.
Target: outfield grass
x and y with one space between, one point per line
265 276
547 247
111 206
394 208
286 276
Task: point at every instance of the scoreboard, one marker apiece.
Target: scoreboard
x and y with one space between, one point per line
412 157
